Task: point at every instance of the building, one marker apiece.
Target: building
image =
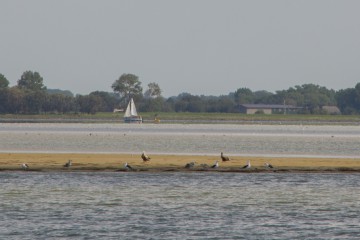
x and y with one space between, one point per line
268 109
331 109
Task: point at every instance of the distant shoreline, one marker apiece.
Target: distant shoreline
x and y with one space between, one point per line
187 118
173 163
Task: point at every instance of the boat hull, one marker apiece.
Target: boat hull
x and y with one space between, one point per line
134 119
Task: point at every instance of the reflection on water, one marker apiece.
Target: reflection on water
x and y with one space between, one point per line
178 206
340 141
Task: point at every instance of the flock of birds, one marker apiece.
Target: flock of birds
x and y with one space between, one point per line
224 158
146 158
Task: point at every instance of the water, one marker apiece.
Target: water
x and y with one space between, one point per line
120 205
210 139
198 205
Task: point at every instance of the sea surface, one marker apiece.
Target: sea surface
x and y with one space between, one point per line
128 205
201 139
180 205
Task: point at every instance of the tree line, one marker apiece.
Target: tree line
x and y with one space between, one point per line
31 96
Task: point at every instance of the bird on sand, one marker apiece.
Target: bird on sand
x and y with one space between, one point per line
68 164
145 157
224 158
215 165
24 166
190 165
268 165
128 167
248 165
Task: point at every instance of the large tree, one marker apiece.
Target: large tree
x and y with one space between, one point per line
243 95
128 85
153 91
4 83
31 81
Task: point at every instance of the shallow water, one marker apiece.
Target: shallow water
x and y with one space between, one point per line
122 205
211 139
198 205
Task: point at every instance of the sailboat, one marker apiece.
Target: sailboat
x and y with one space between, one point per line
131 115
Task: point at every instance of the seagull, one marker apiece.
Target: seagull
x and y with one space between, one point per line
248 165
128 167
224 158
190 165
25 166
68 164
145 157
268 165
215 165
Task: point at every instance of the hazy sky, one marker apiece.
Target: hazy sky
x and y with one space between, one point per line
195 46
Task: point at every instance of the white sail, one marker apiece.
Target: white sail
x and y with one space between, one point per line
131 109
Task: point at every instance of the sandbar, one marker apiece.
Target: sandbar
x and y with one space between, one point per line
168 162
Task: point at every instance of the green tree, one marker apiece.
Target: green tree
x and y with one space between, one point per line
16 100
59 103
4 83
89 103
109 100
31 81
34 101
153 91
127 86
243 95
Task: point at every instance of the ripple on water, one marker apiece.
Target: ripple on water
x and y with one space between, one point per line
179 205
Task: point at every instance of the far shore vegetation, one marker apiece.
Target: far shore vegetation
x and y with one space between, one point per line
31 100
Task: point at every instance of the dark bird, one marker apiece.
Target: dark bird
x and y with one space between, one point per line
224 158
128 167
268 165
145 157
215 165
68 164
248 165
190 165
24 166
204 165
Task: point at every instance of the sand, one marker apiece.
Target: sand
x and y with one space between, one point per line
115 162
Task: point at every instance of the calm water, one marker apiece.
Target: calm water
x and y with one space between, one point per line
178 206
211 139
121 205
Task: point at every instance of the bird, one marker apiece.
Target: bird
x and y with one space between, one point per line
204 165
224 158
145 157
190 165
68 164
268 165
215 165
248 165
128 167
24 166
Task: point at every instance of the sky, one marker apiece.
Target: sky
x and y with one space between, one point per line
201 47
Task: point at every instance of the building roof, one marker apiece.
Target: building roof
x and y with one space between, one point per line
268 106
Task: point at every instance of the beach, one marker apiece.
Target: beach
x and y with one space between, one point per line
167 162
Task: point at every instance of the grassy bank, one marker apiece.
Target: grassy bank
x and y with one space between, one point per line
171 117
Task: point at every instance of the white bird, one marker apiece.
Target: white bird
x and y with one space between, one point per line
145 157
224 158
128 167
25 166
68 164
248 165
268 165
215 165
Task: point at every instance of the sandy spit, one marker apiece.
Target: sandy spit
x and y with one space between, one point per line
115 162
